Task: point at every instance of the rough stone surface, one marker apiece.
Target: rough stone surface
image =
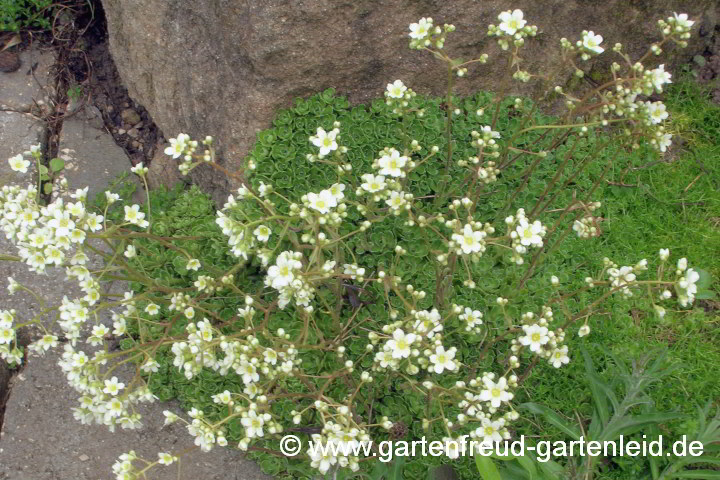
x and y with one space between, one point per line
223 68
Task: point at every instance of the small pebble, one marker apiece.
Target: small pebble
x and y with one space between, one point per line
83 458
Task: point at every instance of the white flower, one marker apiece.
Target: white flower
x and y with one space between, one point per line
396 201
472 317
281 274
529 233
584 330
687 288
130 251
12 286
193 264
152 309
262 233
511 22
139 169
392 164
264 189
559 357
48 341
656 112
470 241
489 431
111 198
682 22
592 42
18 163
373 183
135 216
170 417
495 393
396 89
337 190
452 448
443 360
253 424
325 141
61 223
223 397
93 222
535 336
664 254
401 343
165 458
660 77
7 334
664 142
421 29
385 359
322 202
177 145
112 386
249 373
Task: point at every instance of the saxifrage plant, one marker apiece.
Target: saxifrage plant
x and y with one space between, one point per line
313 322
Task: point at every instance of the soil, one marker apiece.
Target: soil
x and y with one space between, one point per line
93 68
709 71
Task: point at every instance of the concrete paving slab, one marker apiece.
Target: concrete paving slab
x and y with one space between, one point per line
30 81
92 158
18 132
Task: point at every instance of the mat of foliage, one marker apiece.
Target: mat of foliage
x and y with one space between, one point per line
636 223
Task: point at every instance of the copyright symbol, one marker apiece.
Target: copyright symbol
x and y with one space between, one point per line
290 445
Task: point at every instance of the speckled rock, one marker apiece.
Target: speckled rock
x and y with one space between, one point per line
223 68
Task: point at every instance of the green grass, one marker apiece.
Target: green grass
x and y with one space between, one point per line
647 205
675 205
16 15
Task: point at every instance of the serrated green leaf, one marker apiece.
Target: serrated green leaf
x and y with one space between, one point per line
628 425
553 418
598 390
